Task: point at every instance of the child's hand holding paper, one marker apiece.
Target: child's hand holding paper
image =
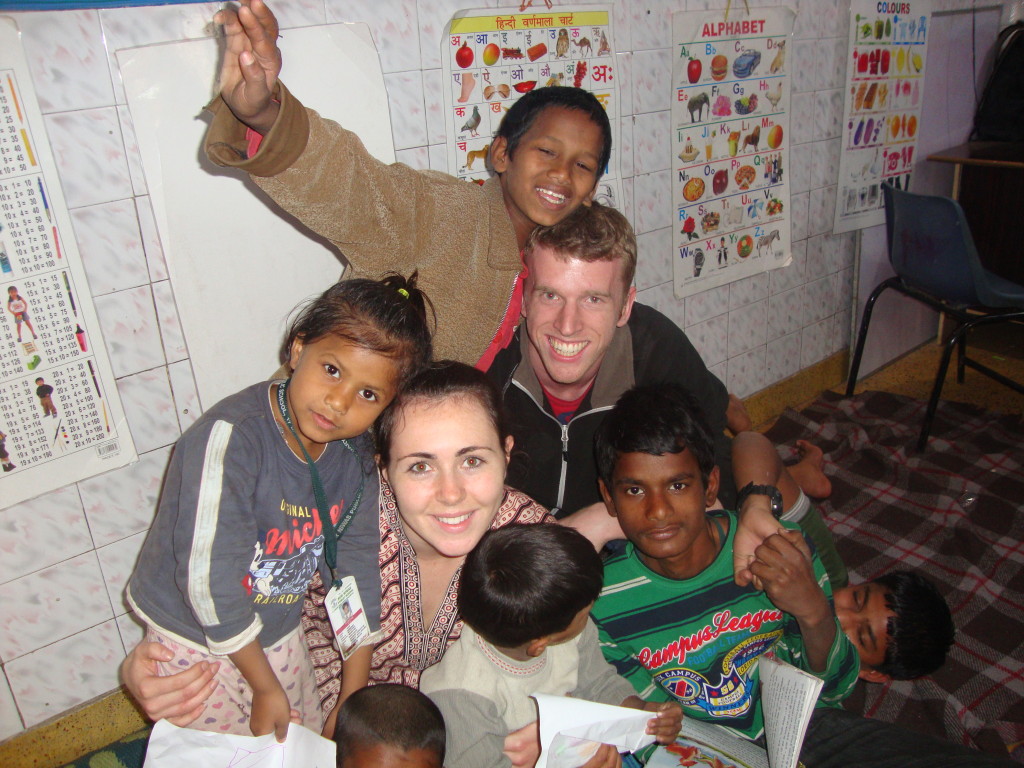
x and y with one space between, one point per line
668 722
572 731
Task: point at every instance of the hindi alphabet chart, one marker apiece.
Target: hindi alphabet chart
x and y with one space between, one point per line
61 419
884 88
489 60
730 152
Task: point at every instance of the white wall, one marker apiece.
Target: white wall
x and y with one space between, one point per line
64 625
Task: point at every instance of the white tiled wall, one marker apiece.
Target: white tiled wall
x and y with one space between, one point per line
64 626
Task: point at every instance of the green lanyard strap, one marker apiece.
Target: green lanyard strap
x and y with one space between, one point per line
331 532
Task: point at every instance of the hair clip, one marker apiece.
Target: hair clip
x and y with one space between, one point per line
404 292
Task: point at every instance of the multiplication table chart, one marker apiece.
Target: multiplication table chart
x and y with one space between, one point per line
60 416
490 60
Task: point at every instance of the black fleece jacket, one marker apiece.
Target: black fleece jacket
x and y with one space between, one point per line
554 463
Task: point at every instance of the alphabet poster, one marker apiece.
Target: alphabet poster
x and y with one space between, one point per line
882 116
489 60
60 415
730 151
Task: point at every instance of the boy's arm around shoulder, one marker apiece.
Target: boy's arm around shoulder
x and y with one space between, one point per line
663 352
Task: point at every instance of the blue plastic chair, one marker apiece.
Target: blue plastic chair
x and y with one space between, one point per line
936 263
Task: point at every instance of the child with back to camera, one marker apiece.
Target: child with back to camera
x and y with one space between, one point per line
525 597
389 726
255 474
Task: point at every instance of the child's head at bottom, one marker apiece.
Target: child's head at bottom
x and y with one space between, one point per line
389 726
525 587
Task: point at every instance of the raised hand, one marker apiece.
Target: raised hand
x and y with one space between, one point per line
252 63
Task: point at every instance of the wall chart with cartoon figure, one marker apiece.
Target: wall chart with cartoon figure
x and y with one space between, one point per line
60 414
881 120
491 59
730 151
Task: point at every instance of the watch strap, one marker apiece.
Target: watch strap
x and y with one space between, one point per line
773 493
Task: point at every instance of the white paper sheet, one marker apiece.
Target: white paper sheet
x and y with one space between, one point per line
571 729
173 747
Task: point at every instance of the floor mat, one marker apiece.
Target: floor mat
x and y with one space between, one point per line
129 752
953 513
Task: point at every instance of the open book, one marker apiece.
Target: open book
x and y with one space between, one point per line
788 695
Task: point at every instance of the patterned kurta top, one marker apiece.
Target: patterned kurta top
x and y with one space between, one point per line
404 645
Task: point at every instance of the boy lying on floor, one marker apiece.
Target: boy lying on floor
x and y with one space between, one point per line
899 623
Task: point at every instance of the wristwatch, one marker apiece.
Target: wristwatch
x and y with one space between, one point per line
762 490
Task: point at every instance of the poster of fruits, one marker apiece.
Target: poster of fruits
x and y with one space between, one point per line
881 120
730 146
490 59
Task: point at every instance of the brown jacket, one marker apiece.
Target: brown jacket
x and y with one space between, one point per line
386 218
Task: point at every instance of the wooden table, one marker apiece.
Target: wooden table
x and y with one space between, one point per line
988 181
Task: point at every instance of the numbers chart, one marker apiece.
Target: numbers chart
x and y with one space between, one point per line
491 60
60 416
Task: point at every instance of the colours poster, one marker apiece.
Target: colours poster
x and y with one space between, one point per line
882 117
730 146
60 415
489 60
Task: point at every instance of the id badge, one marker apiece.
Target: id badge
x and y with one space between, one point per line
348 620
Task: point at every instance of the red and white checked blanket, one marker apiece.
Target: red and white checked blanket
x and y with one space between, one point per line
955 513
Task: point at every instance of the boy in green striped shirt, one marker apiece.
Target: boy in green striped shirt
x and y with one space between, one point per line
670 617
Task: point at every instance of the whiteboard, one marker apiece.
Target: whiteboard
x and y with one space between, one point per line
238 265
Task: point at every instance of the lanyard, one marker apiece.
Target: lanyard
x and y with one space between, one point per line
331 532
